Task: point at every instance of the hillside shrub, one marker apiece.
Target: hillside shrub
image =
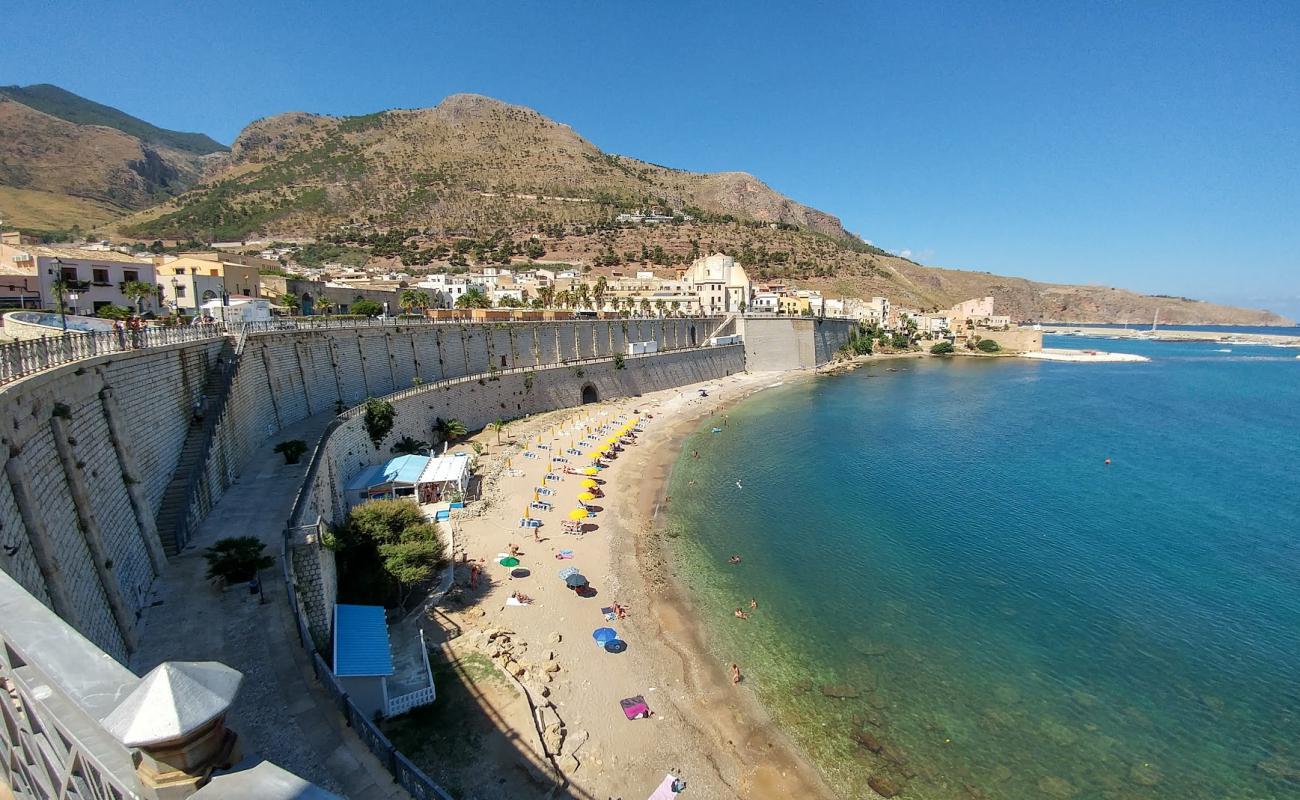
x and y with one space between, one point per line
987 346
941 349
292 450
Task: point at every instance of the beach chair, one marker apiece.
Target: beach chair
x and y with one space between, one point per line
540 505
543 491
527 522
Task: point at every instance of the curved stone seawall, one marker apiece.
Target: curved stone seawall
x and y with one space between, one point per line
346 449
91 446
88 450
286 377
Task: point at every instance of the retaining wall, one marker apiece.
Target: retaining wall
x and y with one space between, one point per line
347 449
786 343
88 450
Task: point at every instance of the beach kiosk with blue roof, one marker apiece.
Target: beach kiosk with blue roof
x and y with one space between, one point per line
363 658
396 477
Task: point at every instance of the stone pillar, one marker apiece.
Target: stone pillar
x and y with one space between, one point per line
131 477
39 538
91 532
175 720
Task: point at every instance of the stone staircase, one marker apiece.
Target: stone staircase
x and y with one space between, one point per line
172 523
724 328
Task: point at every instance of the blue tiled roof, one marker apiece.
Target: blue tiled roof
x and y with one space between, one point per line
361 642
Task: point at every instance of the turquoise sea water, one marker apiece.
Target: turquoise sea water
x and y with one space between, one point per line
1016 618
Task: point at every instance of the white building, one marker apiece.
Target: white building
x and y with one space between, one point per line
720 283
90 279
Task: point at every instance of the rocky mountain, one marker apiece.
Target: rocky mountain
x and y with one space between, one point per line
469 163
66 160
410 187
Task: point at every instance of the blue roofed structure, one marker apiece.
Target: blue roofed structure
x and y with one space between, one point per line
396 477
361 646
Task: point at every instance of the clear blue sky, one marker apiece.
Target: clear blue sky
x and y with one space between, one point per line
1145 145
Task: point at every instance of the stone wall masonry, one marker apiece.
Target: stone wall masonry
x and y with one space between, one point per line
72 486
347 449
787 343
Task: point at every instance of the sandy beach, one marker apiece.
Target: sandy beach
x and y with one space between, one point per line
552 699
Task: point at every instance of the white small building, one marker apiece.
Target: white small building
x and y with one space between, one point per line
239 309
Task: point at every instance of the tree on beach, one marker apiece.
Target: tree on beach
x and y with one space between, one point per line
386 549
497 427
408 446
449 429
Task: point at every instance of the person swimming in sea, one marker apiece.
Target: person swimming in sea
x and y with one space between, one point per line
735 674
735 559
741 614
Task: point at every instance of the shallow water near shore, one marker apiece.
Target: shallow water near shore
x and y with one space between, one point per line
944 549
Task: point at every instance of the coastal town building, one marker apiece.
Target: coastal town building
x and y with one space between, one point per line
721 284
87 280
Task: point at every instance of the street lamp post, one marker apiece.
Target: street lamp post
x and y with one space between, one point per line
57 285
176 299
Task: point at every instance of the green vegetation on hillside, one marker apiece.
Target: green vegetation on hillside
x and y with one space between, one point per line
65 105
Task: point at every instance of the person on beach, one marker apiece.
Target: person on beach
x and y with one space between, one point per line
735 674
537 535
620 611
473 575
753 603
514 549
741 614
695 454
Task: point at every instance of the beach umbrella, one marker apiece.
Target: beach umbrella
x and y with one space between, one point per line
590 471
602 635
615 646
588 483
585 497
509 561
575 581
527 513
577 514
567 571
536 496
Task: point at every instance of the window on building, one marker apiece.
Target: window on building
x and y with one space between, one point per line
68 273
99 276
180 290
130 275
214 272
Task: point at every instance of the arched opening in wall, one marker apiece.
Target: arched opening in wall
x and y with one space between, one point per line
692 336
306 304
589 394
209 295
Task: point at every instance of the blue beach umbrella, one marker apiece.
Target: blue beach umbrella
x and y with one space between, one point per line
615 646
603 635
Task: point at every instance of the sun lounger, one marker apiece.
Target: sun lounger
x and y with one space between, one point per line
530 454
525 522
540 505
559 460
510 601
543 491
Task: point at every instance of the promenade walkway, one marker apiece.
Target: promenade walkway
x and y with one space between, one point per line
281 713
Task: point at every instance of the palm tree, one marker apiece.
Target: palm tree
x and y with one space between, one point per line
598 293
659 307
407 446
290 301
582 296
497 427
676 306
325 306
547 295
645 307
410 300
449 429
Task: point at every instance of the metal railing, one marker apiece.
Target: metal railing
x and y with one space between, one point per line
24 357
335 323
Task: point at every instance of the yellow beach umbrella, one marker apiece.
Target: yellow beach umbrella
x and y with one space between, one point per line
536 496
588 483
577 514
590 471
585 497
527 513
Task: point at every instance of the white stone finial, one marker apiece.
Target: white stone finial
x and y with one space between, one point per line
174 700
